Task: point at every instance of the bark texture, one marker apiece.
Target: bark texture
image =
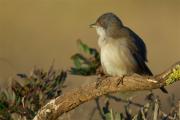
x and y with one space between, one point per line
64 103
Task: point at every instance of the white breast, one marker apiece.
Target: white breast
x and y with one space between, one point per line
102 35
117 59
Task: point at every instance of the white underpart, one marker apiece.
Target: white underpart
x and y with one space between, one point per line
102 35
116 57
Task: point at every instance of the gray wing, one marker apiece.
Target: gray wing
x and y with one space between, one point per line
141 54
139 43
143 68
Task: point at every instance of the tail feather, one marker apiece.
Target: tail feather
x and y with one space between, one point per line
163 89
144 70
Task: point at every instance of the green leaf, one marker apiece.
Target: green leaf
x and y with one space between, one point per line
79 60
3 105
84 65
109 115
85 48
118 116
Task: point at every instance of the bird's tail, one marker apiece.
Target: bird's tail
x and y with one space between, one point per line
163 89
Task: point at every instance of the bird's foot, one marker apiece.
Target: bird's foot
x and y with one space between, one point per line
120 80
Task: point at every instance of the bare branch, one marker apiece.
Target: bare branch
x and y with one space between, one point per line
71 100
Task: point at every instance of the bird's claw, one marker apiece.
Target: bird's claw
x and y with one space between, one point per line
120 80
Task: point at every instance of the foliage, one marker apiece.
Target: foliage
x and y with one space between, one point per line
175 75
149 111
24 100
28 94
85 65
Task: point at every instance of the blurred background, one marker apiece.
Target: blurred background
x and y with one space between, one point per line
36 32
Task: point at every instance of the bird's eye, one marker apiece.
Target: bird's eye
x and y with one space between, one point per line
100 23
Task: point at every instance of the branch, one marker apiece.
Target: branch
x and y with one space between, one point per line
64 103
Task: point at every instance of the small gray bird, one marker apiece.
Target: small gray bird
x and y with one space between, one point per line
122 51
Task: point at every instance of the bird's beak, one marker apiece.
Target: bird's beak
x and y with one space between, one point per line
92 25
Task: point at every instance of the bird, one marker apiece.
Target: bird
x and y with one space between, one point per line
122 51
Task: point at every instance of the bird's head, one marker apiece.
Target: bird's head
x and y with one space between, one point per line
107 24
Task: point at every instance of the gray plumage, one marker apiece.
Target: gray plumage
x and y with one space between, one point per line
122 50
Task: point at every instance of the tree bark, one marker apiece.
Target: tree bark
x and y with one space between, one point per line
64 103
